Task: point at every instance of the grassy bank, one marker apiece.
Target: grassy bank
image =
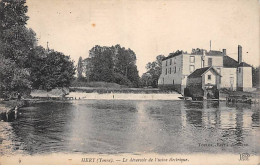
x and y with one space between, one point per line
118 90
96 84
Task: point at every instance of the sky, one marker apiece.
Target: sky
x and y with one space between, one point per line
148 27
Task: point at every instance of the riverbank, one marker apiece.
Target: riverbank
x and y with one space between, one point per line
124 96
116 90
7 108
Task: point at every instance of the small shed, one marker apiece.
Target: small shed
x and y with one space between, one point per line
204 82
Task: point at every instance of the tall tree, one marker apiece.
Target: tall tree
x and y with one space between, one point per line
80 68
53 70
102 64
113 64
16 45
17 40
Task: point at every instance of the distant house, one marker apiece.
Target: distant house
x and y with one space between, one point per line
176 68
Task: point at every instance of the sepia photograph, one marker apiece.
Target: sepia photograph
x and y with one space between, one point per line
129 82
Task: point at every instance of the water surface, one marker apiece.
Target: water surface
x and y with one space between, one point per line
107 126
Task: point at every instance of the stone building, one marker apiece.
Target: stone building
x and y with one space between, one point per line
235 75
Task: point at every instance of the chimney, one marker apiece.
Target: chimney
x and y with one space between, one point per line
203 52
239 54
224 52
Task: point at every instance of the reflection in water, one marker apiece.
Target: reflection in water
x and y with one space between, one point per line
105 126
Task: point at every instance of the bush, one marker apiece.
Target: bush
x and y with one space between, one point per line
122 80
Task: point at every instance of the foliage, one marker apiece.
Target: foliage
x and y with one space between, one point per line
256 75
102 64
113 64
77 83
150 78
146 79
13 79
122 80
23 64
16 44
80 69
54 70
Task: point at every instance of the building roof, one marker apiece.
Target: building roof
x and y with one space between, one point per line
208 53
214 53
229 62
243 64
171 55
195 52
199 72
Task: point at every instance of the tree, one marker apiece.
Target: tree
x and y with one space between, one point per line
54 70
38 61
17 40
23 64
113 64
80 68
13 80
146 80
102 63
133 76
256 74
16 45
154 70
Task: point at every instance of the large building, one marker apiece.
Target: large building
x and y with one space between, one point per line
176 69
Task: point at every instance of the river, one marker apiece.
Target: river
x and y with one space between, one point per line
118 126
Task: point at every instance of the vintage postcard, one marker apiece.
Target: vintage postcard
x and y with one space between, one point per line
129 82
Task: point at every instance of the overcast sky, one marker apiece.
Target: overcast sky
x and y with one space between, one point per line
148 27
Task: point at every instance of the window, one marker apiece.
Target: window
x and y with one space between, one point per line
192 68
174 69
173 81
166 62
210 62
170 61
170 70
174 60
209 77
166 71
192 59
239 69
